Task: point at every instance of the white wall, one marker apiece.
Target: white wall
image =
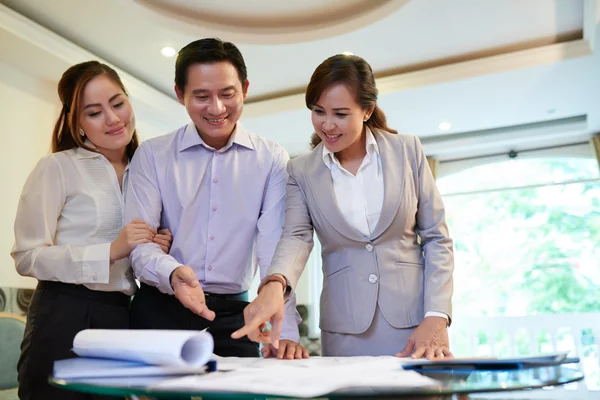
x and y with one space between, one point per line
28 108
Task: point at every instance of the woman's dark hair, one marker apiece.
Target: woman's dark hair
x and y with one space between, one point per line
207 51
357 75
70 91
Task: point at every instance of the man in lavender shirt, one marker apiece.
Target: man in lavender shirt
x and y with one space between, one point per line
220 189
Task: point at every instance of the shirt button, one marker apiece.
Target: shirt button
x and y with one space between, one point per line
215 180
369 247
216 153
214 208
212 237
373 278
210 267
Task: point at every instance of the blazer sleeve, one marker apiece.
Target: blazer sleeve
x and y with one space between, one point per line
296 243
269 232
435 239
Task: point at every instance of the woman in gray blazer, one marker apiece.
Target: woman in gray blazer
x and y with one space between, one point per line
371 198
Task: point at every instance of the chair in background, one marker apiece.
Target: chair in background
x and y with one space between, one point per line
313 345
12 328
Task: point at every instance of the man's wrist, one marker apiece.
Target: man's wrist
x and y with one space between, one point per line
171 276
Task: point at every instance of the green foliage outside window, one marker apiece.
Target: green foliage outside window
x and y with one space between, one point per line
527 242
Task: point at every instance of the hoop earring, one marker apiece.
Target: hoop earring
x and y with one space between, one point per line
81 132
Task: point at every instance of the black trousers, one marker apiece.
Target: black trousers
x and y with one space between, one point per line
152 309
58 311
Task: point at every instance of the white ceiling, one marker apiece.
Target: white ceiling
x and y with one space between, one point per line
421 31
477 64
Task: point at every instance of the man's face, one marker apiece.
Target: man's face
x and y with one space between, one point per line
214 100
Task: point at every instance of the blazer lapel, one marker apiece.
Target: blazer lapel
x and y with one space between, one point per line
321 186
392 165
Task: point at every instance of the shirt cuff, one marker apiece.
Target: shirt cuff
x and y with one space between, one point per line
164 269
96 263
437 314
289 328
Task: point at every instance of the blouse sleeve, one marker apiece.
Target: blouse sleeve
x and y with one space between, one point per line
35 252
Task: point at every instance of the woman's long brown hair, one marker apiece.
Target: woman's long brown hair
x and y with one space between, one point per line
70 90
357 74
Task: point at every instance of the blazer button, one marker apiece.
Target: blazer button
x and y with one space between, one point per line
373 278
369 247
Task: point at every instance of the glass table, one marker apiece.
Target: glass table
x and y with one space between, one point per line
454 385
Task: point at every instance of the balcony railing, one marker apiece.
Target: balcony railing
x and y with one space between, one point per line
579 334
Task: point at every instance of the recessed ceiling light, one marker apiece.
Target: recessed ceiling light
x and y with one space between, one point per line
347 53
168 51
444 126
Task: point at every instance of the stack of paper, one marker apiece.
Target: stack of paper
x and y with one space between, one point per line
111 353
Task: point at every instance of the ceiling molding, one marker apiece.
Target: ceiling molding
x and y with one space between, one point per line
450 60
70 53
486 66
430 76
251 24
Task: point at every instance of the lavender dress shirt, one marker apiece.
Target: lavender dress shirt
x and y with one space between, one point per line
224 207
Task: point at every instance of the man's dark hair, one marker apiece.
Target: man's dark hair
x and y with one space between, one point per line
207 51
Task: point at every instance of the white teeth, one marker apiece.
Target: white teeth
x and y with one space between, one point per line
216 121
333 136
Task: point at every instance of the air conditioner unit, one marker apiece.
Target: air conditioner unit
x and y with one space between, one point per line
458 145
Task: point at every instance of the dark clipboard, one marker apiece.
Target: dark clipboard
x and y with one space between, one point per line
490 364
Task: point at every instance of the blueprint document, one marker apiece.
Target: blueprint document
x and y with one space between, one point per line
385 362
92 368
311 377
153 347
128 353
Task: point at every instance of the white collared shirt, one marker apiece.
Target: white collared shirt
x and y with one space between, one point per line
70 211
224 207
360 197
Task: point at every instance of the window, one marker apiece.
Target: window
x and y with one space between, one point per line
527 236
527 254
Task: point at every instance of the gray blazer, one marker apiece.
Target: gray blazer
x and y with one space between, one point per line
405 266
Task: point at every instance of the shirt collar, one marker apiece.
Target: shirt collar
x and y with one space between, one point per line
80 152
330 159
239 136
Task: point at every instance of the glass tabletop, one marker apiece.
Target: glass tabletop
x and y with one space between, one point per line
452 382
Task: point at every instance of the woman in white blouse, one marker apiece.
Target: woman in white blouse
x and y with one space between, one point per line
69 231
370 196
